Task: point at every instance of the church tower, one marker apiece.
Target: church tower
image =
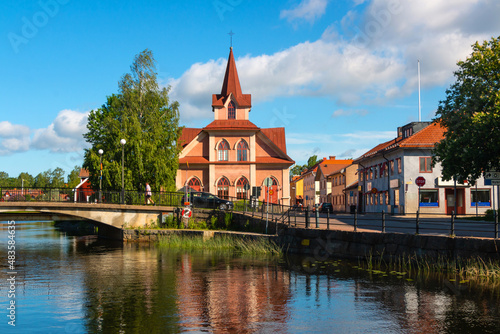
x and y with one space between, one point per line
231 103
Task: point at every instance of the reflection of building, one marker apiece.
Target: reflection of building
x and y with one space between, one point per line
232 299
388 177
230 155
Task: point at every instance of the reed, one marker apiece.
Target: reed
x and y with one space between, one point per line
223 243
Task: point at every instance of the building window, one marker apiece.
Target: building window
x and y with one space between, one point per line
480 196
195 184
242 151
392 167
223 150
231 111
223 188
241 193
429 197
375 172
426 165
400 166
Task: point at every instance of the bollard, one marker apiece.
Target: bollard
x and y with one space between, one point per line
355 220
383 221
452 232
317 217
496 224
417 226
328 220
295 217
307 217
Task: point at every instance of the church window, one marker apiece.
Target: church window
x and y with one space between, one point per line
241 193
195 184
223 149
242 151
231 111
223 188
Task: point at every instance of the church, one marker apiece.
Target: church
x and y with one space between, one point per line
231 155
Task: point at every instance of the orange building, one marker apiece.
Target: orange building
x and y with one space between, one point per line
231 154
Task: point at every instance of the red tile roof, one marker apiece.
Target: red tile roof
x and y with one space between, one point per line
84 173
273 160
425 138
193 160
332 168
277 136
187 135
231 85
231 124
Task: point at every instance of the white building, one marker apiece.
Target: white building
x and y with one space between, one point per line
388 175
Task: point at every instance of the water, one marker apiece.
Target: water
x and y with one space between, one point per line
74 284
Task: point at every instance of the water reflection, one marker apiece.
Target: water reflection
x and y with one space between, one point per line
71 284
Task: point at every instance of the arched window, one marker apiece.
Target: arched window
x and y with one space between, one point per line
195 184
241 193
231 111
242 151
223 188
223 149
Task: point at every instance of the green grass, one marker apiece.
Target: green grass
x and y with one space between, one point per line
223 243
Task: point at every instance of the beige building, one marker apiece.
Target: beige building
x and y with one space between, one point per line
341 180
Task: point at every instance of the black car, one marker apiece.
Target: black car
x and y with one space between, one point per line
208 200
326 207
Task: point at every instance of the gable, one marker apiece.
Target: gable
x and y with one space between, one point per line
197 147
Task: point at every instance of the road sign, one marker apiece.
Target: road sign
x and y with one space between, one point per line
246 186
268 182
420 181
186 213
271 192
492 175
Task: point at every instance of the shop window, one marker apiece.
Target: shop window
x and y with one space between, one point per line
425 165
429 197
481 197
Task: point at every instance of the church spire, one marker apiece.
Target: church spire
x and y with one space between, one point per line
231 83
231 86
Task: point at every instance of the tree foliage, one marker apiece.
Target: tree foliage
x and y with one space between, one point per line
142 114
298 169
471 116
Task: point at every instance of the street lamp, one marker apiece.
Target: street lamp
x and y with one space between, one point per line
123 141
100 178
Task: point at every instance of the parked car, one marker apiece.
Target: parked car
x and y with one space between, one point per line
326 207
208 200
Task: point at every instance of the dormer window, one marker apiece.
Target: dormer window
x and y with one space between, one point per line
231 111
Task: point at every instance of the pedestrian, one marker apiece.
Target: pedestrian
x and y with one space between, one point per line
148 194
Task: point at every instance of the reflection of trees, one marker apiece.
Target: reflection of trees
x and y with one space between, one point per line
130 290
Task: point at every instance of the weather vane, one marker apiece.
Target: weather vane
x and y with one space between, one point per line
231 33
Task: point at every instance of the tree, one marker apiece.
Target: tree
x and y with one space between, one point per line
298 169
74 177
471 116
142 114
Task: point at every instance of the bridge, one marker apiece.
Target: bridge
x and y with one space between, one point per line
110 218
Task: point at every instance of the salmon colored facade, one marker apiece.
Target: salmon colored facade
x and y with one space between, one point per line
231 154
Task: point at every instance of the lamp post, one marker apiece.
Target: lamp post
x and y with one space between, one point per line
123 142
100 177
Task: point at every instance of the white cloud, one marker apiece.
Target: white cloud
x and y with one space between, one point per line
65 134
13 138
349 112
308 10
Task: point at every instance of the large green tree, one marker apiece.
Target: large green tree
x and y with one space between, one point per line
471 116
298 169
142 114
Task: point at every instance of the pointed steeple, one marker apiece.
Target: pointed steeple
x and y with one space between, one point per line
231 85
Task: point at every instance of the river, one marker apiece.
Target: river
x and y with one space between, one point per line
81 284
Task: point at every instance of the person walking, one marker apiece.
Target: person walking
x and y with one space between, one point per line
148 194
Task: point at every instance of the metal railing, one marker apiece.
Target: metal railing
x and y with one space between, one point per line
417 223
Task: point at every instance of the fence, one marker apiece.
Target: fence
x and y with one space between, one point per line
417 223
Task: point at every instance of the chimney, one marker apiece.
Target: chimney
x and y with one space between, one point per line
332 157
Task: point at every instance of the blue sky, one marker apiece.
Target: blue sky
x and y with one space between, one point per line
340 76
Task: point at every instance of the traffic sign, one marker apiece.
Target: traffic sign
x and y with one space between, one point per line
420 181
271 192
492 175
268 182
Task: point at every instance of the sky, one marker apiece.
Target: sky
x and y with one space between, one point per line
339 75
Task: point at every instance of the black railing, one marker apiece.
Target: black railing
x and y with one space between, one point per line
417 223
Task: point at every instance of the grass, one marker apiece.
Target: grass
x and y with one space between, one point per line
223 243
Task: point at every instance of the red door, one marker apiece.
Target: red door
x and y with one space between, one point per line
450 201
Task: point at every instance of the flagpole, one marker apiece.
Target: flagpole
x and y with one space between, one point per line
419 108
